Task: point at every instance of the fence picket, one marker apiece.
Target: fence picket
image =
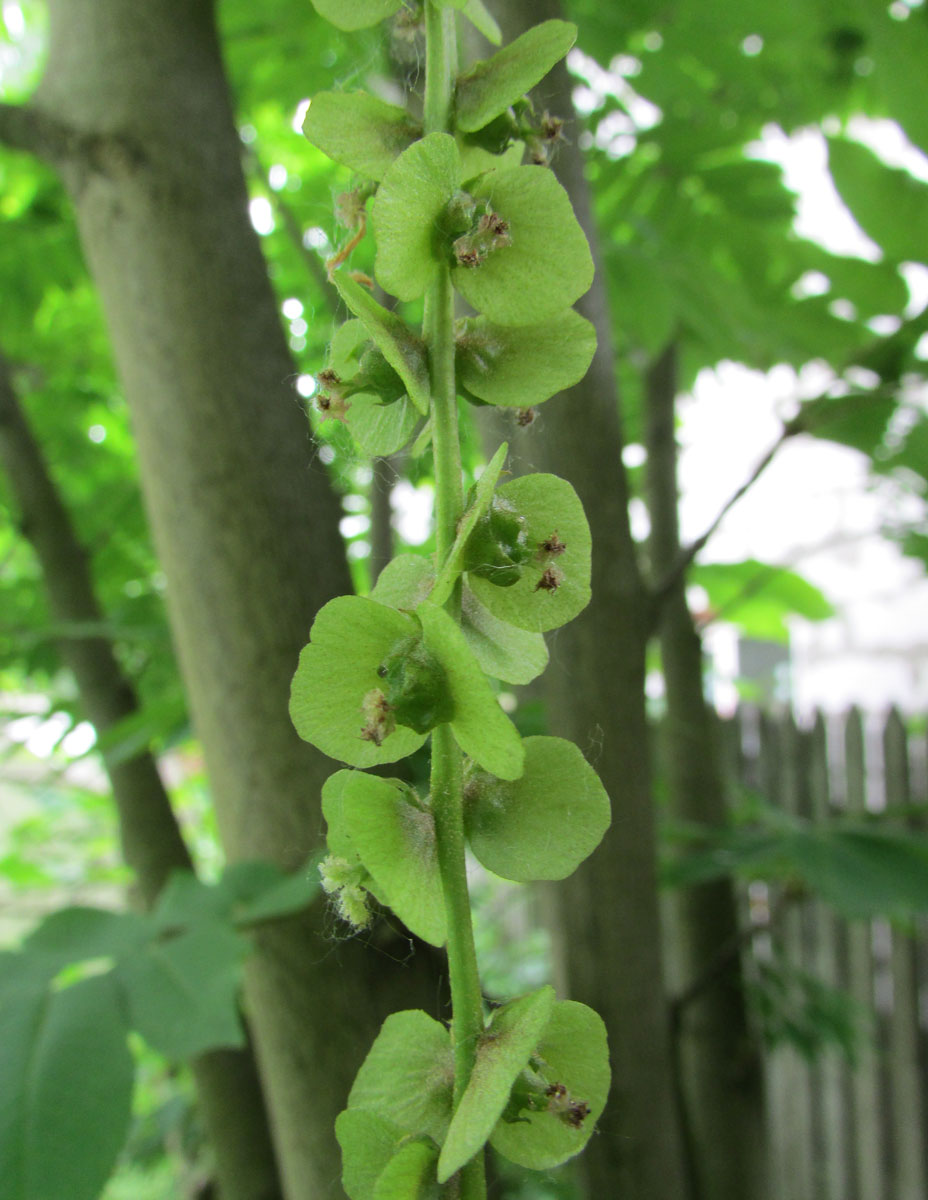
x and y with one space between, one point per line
905 1051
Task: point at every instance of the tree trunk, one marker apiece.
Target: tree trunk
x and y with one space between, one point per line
595 692
245 525
721 1069
227 1083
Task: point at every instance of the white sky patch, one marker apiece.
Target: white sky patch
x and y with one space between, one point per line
821 214
412 511
292 308
300 116
277 177
97 433
14 20
306 385
262 215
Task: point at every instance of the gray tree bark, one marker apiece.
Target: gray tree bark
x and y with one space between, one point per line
595 696
721 1078
244 522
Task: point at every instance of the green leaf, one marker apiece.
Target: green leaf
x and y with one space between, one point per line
399 345
410 1173
759 596
367 1142
288 895
480 726
183 991
503 651
543 825
394 834
857 420
491 86
404 582
481 19
524 365
546 266
350 638
864 872
67 1087
408 1075
550 506
379 429
503 1052
574 1053
888 203
356 14
477 507
72 935
407 212
358 130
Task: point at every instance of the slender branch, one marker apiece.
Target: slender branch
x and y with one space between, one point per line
674 574
447 762
25 127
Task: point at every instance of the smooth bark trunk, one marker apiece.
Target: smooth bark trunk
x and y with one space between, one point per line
595 693
720 1064
243 518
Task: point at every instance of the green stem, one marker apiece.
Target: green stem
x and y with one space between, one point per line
447 765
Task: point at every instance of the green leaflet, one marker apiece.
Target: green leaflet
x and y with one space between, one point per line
543 825
378 428
394 836
476 509
490 87
548 264
511 1036
573 1053
367 1142
183 991
503 651
67 1086
359 130
410 1173
523 365
408 1075
555 585
480 726
399 345
350 638
356 14
407 212
476 12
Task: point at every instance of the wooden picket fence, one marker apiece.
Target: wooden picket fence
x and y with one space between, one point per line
837 1131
